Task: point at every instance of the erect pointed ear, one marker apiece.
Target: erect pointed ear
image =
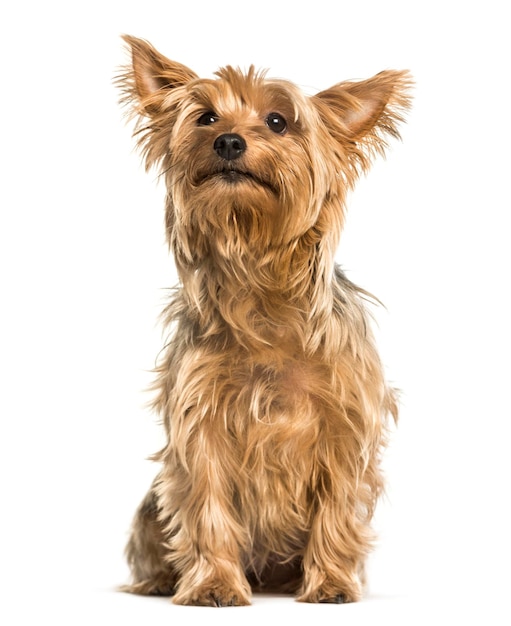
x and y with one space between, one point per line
150 76
366 112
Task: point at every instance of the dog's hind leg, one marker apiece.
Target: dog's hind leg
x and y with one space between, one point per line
146 552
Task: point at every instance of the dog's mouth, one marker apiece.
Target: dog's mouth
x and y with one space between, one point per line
235 176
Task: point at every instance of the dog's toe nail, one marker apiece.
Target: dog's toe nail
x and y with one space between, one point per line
337 599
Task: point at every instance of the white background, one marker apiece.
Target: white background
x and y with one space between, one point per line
84 265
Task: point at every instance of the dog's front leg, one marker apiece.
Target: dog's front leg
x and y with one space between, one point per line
207 539
334 555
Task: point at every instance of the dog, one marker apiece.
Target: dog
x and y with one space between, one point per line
270 388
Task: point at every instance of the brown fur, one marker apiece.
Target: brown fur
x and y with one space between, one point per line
270 387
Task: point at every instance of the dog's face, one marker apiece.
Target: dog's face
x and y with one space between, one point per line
254 160
249 154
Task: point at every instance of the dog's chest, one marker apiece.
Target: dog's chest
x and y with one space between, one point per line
281 398
278 446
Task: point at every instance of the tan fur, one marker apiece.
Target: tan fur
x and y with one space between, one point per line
270 387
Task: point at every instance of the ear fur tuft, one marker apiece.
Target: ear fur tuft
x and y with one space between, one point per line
362 115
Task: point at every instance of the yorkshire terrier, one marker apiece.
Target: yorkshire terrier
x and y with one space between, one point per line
270 388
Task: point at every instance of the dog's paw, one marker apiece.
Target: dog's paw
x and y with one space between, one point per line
160 586
216 594
330 593
327 597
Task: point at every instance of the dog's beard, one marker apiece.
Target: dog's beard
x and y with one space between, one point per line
229 201
252 203
230 207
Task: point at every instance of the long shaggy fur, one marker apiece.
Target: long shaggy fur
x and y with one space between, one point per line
270 388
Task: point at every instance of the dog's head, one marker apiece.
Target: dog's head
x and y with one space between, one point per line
253 161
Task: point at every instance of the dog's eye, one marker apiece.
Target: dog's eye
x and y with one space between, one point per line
207 118
276 123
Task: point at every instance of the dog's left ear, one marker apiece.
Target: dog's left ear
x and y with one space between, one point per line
362 114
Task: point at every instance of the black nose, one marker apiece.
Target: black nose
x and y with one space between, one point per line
229 146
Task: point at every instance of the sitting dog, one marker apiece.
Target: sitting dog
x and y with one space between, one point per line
270 387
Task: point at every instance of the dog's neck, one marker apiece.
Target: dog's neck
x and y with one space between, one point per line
261 297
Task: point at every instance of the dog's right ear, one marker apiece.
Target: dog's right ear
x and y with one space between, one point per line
150 76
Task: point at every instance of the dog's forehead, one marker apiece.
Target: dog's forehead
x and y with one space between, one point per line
234 90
